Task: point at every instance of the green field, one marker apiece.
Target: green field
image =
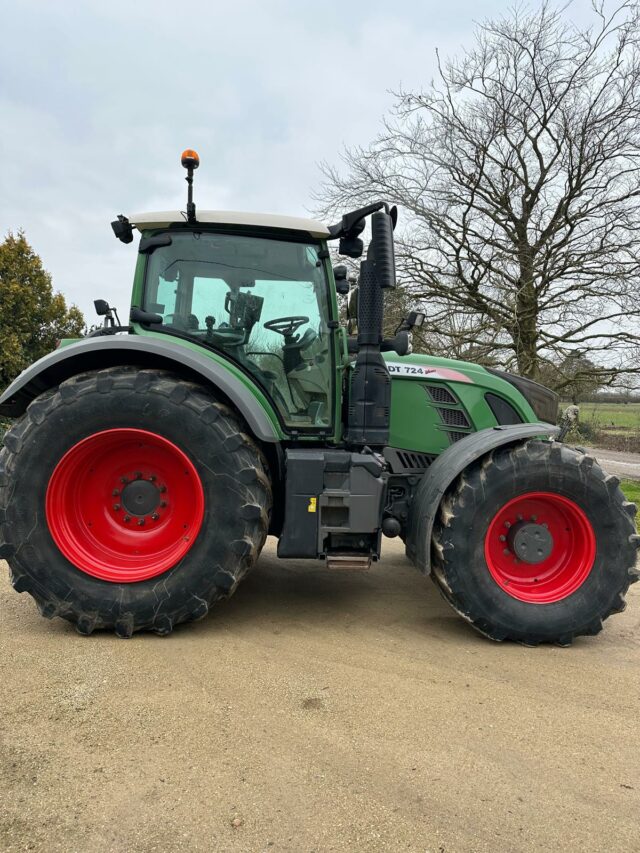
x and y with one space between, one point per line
612 416
615 426
631 489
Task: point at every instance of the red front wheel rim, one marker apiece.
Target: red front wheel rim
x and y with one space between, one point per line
540 547
124 505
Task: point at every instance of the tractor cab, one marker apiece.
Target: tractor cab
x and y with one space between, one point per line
259 291
259 296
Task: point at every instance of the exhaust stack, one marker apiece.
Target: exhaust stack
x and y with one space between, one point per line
370 392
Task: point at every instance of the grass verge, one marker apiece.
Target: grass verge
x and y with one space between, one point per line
631 489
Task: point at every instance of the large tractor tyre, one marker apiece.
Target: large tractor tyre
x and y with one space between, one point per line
130 500
535 543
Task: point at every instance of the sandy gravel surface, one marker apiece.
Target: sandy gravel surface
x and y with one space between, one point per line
320 712
618 462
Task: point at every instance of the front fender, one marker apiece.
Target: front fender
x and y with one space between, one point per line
444 470
100 352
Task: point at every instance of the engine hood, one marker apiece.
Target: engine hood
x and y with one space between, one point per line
426 367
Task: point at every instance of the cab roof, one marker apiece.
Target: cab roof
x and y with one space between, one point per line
165 218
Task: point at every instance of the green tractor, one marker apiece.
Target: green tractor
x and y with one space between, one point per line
148 462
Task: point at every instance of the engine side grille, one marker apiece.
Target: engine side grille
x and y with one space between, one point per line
439 394
454 417
449 410
418 461
407 461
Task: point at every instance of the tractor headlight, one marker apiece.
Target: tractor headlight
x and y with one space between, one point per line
543 401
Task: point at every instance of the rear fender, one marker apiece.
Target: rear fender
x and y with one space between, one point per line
444 470
101 352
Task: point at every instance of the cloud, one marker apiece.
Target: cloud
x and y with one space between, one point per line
98 100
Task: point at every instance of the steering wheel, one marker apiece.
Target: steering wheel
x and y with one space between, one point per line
286 326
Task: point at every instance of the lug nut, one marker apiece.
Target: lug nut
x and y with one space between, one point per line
138 475
152 478
116 507
163 504
507 524
123 480
506 552
503 538
155 516
534 518
520 518
127 518
163 489
141 522
115 493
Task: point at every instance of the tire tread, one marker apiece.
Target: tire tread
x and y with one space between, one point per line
252 487
452 509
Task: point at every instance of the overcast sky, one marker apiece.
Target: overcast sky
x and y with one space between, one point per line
98 99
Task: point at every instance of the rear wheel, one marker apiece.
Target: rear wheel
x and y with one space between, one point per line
131 500
535 543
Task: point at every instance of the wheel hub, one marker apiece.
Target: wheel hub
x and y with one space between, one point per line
124 505
530 542
540 547
140 497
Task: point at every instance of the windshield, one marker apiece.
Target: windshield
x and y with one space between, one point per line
264 302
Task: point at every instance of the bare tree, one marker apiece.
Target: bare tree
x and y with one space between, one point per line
517 174
577 378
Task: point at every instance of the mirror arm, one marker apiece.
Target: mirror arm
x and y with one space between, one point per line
400 344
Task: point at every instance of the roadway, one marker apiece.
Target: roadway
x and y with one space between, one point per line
317 712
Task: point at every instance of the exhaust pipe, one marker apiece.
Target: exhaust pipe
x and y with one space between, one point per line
370 392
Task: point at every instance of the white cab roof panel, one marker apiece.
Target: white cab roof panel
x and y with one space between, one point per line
164 218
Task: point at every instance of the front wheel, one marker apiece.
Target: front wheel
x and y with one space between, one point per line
535 543
130 500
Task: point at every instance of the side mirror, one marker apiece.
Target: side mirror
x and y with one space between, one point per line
401 344
352 247
341 273
103 309
123 229
350 243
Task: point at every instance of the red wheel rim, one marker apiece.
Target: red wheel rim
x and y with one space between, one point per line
540 547
124 505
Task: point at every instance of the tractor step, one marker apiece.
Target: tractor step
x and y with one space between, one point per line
348 562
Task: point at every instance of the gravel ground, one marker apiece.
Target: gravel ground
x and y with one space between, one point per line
618 462
317 712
